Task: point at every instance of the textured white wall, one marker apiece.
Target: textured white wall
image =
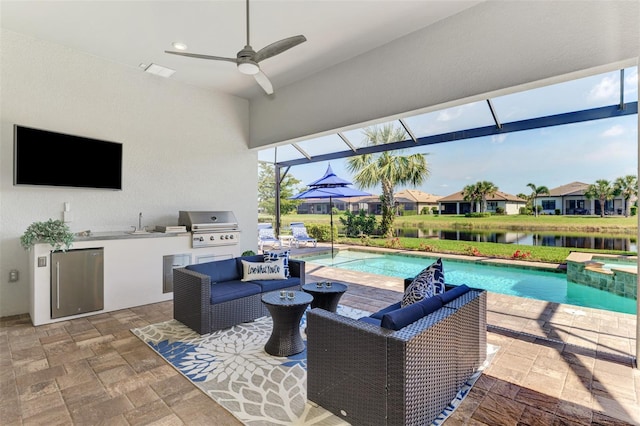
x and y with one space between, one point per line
494 47
184 148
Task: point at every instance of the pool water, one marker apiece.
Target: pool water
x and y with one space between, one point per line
530 283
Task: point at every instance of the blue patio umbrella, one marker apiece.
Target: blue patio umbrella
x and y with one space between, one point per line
329 186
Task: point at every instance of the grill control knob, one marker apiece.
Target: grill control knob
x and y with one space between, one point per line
212 238
231 236
201 239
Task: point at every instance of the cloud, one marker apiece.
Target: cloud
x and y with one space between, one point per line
608 88
498 138
613 131
449 114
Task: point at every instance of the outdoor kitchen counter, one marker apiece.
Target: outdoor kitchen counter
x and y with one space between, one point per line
136 267
124 235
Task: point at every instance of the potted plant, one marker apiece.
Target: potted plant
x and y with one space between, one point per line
54 232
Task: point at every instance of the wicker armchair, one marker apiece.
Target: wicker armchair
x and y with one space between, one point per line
369 375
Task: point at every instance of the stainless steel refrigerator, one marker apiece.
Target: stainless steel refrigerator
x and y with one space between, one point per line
77 281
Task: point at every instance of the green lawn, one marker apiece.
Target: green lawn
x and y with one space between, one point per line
607 224
564 225
502 251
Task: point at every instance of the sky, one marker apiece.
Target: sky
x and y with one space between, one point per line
552 156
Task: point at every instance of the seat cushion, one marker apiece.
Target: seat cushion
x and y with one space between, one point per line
271 285
427 283
231 290
218 270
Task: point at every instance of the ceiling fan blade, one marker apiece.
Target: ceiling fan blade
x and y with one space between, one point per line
278 47
264 82
197 55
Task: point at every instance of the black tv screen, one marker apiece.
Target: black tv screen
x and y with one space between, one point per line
47 158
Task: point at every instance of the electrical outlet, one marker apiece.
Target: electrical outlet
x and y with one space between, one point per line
42 261
14 275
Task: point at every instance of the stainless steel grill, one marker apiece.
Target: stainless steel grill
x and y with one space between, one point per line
210 228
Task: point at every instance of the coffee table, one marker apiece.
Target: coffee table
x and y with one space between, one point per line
286 313
325 297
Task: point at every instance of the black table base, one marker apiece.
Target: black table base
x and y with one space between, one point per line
326 298
285 339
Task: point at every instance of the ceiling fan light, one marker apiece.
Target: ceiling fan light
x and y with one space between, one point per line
248 68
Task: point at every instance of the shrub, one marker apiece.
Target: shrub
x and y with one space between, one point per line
360 224
499 210
321 232
472 251
426 247
521 255
393 243
435 210
634 210
557 212
476 214
424 210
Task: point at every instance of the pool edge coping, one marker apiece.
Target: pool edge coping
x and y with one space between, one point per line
510 263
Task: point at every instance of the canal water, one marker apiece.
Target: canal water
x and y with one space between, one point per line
587 241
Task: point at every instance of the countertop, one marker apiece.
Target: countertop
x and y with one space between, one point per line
125 235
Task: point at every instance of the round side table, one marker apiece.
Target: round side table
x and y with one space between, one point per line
324 297
286 313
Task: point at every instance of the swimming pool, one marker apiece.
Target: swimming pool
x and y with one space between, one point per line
530 283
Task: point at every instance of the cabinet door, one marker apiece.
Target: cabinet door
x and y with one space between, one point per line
169 263
77 282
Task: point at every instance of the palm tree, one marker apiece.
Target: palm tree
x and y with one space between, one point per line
486 189
537 191
479 192
602 190
470 193
387 169
628 187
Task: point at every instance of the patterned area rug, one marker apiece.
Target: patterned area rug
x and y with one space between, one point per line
232 367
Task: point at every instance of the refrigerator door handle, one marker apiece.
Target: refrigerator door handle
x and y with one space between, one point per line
58 284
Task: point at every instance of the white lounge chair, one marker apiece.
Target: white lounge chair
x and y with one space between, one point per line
300 236
266 236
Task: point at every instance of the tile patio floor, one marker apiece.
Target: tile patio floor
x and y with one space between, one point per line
557 365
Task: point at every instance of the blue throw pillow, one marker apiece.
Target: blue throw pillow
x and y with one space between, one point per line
427 283
273 256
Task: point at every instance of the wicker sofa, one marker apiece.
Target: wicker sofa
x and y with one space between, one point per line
369 374
212 296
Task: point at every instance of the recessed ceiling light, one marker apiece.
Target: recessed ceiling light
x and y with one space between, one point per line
179 46
159 70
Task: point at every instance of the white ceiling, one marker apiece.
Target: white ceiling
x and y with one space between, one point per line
137 32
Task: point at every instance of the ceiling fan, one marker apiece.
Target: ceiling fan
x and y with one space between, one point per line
247 59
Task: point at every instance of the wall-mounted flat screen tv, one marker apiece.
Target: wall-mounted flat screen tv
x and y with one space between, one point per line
41 157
